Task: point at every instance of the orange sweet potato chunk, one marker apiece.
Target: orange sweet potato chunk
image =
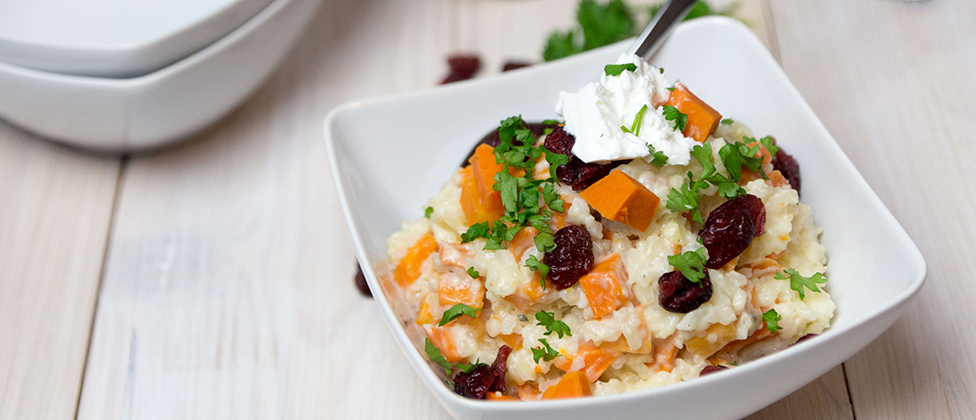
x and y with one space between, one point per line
602 286
453 289
408 269
440 337
595 360
572 385
702 119
621 198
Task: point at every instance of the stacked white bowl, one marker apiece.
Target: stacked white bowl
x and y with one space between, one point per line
122 75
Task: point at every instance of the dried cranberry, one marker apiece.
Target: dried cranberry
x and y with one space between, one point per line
711 369
680 295
730 229
572 258
514 65
786 165
576 173
802 339
498 369
475 384
463 67
361 282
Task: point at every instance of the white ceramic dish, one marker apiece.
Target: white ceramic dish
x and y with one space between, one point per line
162 106
389 155
114 38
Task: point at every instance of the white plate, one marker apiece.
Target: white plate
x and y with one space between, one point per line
162 106
114 38
390 155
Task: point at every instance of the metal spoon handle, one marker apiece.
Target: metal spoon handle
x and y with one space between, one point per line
660 27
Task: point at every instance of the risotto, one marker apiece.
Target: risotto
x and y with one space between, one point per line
641 240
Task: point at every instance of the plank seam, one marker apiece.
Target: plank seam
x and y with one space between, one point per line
847 384
123 164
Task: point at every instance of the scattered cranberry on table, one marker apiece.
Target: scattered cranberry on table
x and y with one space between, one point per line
463 67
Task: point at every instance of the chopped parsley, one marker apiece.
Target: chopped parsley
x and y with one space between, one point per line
525 205
636 126
736 156
435 356
470 367
616 69
546 353
456 311
536 265
678 119
429 211
798 282
687 197
473 273
658 158
727 121
691 264
772 320
661 70
548 320
770 145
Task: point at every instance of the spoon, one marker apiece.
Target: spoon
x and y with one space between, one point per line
646 45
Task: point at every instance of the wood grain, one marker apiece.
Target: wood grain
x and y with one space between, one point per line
55 209
894 82
227 291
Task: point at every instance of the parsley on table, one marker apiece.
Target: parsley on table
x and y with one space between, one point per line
679 120
691 264
798 282
473 273
772 319
435 355
548 320
428 212
770 145
658 158
636 126
546 353
456 311
533 263
616 69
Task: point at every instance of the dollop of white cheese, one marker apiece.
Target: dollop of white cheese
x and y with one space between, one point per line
597 111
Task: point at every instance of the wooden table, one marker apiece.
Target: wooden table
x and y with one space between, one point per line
212 280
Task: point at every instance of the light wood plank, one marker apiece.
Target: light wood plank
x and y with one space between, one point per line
894 82
228 289
55 209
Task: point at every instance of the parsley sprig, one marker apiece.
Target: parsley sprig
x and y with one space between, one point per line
470 367
772 319
435 355
533 263
691 264
679 120
456 311
548 320
688 197
616 69
736 156
545 353
798 282
636 126
658 158
528 201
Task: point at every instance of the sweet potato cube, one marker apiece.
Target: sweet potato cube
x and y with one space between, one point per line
702 119
602 286
453 289
621 198
523 241
595 360
408 269
441 338
423 314
479 201
572 385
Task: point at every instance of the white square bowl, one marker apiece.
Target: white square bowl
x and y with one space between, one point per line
390 155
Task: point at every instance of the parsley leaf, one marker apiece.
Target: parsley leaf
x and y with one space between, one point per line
559 45
536 265
735 156
470 367
772 320
798 282
435 355
636 126
770 145
477 230
658 158
473 273
546 353
456 311
428 211
677 118
727 121
685 199
603 25
548 320
616 69
691 264
544 241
